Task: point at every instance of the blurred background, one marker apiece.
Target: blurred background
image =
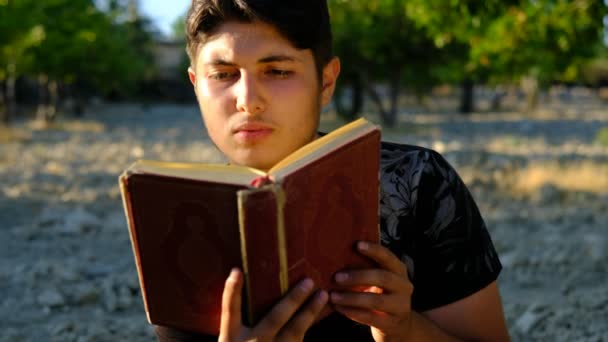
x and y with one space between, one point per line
513 92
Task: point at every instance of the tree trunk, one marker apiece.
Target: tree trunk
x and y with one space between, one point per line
377 100
497 98
3 112
420 96
395 91
53 91
356 99
41 111
530 87
532 101
467 104
11 95
72 96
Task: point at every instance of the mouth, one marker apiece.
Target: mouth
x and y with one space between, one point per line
252 131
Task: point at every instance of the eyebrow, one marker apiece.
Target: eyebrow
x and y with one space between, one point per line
277 58
270 59
220 62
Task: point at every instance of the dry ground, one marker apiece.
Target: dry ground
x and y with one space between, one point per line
67 272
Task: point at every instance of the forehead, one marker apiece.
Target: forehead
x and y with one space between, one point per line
236 40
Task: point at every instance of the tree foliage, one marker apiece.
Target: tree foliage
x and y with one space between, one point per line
377 42
413 44
545 39
73 41
425 42
19 32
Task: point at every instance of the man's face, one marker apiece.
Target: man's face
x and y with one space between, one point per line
260 97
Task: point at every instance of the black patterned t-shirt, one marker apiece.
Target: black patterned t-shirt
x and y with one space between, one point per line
431 223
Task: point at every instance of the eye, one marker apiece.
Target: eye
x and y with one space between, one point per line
279 73
222 75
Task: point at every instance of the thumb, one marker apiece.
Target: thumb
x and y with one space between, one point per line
231 323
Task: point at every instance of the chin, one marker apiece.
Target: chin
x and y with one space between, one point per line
261 158
264 166
257 163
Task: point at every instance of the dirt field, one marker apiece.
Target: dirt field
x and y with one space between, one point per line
67 271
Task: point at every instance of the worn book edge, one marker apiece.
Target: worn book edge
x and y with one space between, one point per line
243 240
217 173
279 196
122 181
320 147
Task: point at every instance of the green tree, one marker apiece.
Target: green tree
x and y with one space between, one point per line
63 43
348 32
19 32
542 41
379 44
179 34
72 31
456 26
178 28
511 40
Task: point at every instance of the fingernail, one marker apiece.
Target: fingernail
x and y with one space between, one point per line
336 297
363 246
322 297
306 284
234 274
340 277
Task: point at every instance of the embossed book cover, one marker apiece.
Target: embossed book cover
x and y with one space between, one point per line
190 224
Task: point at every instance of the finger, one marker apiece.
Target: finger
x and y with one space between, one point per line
230 323
383 257
376 319
282 312
388 281
390 304
301 322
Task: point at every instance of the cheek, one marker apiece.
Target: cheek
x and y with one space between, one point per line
214 111
212 101
301 102
214 129
205 89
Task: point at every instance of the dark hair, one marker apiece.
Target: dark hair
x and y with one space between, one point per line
304 23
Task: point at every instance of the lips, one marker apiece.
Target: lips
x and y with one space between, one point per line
252 131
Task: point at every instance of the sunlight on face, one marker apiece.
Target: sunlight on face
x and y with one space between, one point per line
260 97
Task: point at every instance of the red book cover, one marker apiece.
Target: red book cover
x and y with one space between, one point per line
330 204
184 235
191 224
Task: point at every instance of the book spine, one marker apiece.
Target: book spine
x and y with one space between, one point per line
279 195
262 248
241 205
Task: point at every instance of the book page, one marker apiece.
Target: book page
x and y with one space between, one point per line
228 174
320 147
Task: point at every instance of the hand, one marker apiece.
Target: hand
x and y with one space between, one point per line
288 320
386 303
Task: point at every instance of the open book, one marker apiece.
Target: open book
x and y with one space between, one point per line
190 224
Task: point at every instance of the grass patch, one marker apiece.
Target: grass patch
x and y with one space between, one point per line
11 134
330 121
602 137
586 176
73 126
411 128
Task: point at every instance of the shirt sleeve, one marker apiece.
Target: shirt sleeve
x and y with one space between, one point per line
454 255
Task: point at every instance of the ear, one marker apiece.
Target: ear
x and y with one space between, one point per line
192 76
330 76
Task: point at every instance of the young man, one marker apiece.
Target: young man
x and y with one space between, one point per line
262 71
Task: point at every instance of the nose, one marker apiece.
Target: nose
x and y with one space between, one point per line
249 95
